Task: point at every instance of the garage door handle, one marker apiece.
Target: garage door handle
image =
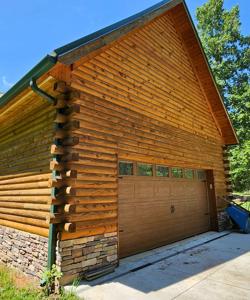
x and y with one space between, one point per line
121 230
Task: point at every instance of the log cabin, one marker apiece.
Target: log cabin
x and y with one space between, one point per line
112 145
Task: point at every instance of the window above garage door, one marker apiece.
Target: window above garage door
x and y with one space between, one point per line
131 168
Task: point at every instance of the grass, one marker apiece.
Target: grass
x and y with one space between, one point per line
16 286
246 193
246 205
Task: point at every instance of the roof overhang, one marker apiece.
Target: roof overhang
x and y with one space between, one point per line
40 69
77 49
72 52
185 26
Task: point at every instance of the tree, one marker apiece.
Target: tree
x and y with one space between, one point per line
228 52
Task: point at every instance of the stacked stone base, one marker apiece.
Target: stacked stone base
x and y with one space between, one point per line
24 251
78 256
224 222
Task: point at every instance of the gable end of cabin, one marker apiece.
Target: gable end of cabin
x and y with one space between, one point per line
142 107
130 149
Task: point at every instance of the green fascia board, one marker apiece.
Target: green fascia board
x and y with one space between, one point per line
51 59
41 68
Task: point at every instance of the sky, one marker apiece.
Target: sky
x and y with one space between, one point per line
29 29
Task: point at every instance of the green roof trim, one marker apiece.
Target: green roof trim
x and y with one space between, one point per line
41 68
115 30
62 53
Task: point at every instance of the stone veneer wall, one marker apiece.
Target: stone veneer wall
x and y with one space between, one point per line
23 250
224 222
75 257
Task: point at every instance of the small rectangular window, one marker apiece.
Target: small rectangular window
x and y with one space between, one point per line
144 170
189 174
125 168
201 174
162 171
177 172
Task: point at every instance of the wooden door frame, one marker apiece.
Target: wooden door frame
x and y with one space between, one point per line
212 200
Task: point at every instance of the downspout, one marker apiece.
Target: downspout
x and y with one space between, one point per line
41 93
52 227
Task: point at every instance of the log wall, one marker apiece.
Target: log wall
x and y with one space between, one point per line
25 140
139 100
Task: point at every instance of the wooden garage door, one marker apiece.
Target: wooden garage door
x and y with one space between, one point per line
154 211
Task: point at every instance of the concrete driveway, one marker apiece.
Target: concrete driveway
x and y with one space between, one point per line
208 266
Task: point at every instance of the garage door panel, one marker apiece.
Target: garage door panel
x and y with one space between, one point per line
154 212
144 190
126 190
190 188
177 189
162 189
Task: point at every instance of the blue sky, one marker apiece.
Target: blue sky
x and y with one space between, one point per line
30 29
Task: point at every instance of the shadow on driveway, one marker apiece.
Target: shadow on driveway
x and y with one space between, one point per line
219 269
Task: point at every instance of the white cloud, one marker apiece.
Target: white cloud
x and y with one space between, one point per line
6 83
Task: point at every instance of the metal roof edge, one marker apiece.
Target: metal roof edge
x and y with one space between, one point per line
51 59
120 27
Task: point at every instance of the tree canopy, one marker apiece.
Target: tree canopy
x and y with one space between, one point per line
228 52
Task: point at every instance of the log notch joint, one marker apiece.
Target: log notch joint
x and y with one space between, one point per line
61 158
226 164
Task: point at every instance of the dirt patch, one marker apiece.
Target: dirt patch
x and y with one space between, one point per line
20 279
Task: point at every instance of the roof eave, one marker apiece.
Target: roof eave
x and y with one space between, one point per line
105 36
211 73
36 72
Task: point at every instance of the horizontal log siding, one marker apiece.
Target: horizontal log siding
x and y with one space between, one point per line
140 100
25 141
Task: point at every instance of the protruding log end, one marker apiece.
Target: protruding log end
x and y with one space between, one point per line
60 118
70 174
57 183
70 227
56 166
69 208
55 218
56 150
70 191
71 157
60 134
72 109
71 141
60 102
60 87
74 124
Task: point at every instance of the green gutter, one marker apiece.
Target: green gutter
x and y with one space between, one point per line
41 68
41 93
52 233
52 227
